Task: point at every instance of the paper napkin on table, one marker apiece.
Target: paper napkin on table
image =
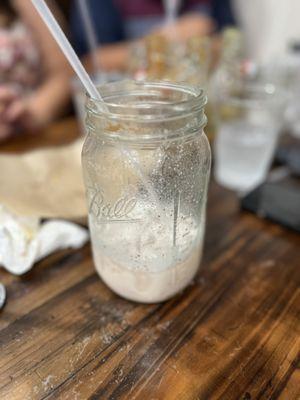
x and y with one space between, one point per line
24 241
44 183
34 186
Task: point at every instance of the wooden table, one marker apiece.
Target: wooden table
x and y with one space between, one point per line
233 334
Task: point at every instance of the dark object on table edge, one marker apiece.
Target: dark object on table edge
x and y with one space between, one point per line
289 155
277 200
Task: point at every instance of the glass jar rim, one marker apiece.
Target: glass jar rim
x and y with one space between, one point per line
193 100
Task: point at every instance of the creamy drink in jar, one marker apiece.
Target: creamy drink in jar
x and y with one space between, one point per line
146 164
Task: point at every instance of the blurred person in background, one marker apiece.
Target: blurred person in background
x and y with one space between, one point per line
34 76
120 22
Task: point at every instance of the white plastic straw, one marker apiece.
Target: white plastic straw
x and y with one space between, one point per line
171 10
90 33
71 56
66 47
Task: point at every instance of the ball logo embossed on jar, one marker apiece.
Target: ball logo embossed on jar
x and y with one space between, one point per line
118 211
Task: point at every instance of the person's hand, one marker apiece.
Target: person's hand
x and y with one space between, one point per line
17 113
187 26
8 95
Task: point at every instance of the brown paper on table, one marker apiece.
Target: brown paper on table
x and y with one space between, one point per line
44 183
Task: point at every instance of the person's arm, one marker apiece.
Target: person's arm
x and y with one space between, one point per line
187 26
50 99
112 57
109 28
115 56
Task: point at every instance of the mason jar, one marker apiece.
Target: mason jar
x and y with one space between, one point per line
146 165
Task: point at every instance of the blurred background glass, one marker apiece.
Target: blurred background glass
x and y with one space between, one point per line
249 122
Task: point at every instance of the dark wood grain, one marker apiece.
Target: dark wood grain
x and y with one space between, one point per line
233 334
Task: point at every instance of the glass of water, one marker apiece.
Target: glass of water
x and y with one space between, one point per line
249 123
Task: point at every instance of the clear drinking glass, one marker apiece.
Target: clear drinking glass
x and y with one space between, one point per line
249 123
146 164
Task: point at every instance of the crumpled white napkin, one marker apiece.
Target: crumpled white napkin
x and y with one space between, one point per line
26 240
